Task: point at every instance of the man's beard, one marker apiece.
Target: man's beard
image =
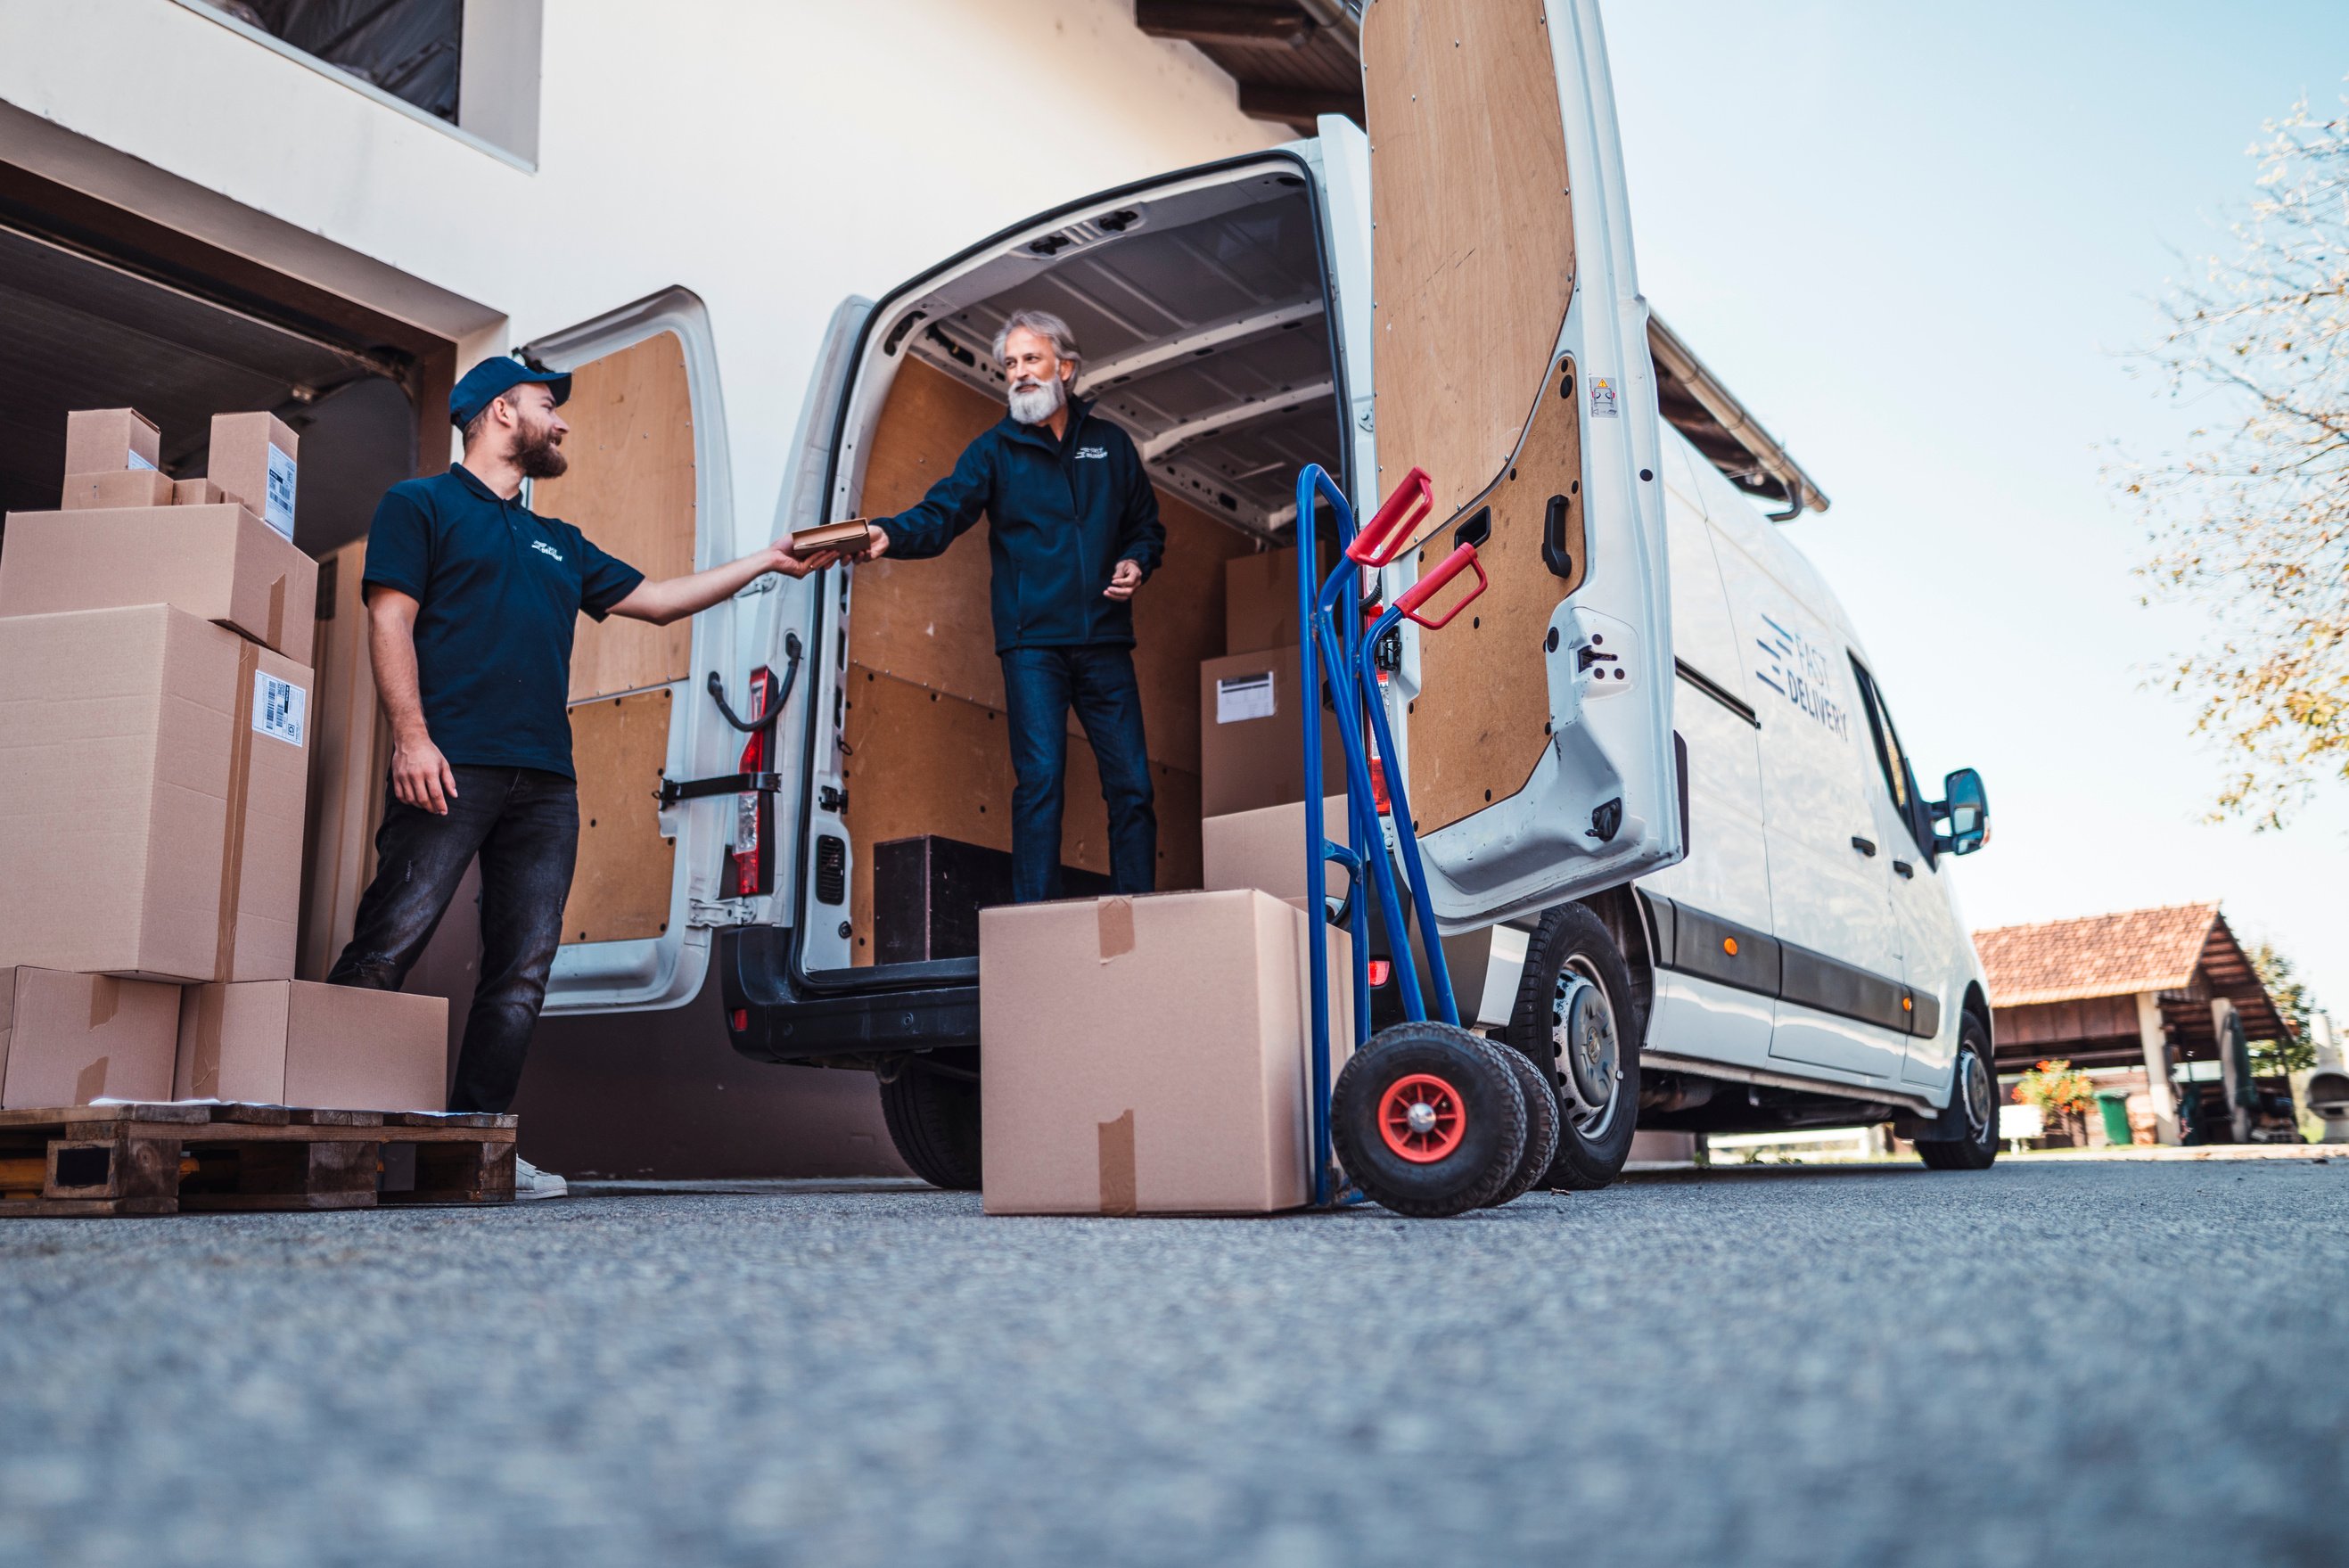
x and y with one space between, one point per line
1033 402
537 455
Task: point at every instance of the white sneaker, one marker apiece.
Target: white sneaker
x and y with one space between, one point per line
529 1181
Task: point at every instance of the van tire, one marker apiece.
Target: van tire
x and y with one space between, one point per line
934 1121
1541 1126
1488 1141
1573 941
1973 1096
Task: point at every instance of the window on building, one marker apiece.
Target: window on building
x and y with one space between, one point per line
412 49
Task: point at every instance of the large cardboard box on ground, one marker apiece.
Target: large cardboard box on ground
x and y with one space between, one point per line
217 561
252 458
294 1042
70 1040
103 440
1149 1054
151 771
1266 848
1251 742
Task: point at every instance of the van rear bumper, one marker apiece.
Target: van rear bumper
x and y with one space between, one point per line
769 1020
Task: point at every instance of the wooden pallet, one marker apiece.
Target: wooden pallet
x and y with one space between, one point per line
96 1161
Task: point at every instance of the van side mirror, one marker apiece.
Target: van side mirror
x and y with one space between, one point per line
1964 807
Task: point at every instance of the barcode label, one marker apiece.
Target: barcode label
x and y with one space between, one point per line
278 507
138 462
1241 697
279 707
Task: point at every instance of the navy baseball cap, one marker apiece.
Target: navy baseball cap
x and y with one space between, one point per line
483 384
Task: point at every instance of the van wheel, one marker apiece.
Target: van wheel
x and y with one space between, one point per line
1428 1121
1541 1126
1975 1093
1575 1019
934 1121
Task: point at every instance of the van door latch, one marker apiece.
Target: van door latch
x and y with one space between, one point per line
672 790
711 913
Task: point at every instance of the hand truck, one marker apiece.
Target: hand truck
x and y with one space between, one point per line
1427 1117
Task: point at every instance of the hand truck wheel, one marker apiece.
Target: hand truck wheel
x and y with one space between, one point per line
1541 1126
1428 1121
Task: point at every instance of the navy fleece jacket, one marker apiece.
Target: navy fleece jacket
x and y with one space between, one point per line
1061 516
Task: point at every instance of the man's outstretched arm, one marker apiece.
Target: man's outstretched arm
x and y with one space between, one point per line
674 598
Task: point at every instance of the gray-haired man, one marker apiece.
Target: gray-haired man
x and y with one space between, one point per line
1072 531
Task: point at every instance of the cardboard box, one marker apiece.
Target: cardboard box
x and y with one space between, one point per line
1251 746
103 440
1266 848
331 1047
216 561
197 492
70 1040
252 458
1260 599
350 756
151 772
123 487
1149 1054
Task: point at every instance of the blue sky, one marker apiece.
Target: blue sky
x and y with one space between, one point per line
1918 241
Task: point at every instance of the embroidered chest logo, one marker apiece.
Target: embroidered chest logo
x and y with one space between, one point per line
1084 452
545 549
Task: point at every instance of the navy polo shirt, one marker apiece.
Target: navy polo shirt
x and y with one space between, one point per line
500 589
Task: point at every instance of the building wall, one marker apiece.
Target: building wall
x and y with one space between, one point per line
774 155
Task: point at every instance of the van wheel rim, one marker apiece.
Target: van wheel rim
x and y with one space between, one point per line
1421 1118
1974 1084
1589 1048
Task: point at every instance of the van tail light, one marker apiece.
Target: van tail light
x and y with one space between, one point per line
1380 970
751 854
1379 783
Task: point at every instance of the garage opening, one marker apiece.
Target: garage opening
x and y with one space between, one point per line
88 324
1206 334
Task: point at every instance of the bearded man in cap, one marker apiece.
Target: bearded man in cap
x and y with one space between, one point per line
471 598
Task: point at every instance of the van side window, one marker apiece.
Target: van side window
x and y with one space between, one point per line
1900 779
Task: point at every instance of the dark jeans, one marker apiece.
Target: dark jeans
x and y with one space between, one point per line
524 824
1040 685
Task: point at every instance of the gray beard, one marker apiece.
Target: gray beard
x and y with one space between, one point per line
1036 403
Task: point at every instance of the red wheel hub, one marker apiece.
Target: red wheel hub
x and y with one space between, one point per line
1421 1118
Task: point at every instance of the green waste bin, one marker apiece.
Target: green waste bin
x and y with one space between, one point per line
2113 1107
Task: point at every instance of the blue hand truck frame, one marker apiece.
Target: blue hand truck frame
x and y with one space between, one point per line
1338 656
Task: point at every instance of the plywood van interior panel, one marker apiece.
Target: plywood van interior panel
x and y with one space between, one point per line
926 622
620 890
925 761
1482 714
630 489
1473 236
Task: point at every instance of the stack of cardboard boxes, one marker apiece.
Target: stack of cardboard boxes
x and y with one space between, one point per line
1152 1055
155 725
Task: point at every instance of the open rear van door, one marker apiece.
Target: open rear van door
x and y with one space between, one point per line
1512 366
647 481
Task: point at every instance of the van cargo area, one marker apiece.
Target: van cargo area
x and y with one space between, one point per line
1206 336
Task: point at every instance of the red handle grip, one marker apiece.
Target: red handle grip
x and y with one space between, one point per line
1427 587
1381 539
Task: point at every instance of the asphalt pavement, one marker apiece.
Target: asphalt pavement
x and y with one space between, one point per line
2084 1363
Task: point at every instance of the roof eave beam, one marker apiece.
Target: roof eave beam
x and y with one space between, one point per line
1675 359
1211 22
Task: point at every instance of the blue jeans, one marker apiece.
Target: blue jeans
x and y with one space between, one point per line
1040 685
524 824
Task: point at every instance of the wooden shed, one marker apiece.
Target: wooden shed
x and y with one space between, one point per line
2156 988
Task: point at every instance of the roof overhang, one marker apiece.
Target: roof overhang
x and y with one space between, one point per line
1695 403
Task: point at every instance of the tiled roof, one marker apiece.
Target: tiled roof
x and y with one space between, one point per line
2095 955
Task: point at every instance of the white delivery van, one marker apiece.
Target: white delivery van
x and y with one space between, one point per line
1678 854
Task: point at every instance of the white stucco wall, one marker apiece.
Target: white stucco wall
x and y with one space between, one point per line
770 155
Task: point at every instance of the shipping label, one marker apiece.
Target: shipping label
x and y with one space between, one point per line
279 707
1242 697
278 508
138 462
